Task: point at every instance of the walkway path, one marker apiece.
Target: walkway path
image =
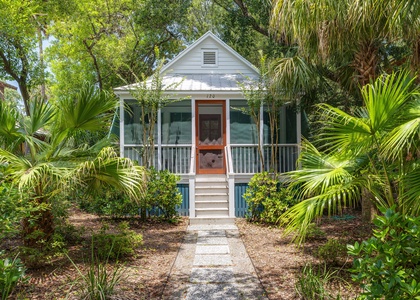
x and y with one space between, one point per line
213 264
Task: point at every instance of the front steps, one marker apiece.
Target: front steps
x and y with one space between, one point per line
211 200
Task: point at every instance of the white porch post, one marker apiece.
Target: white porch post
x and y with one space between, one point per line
261 141
231 178
227 122
159 136
298 128
121 127
192 176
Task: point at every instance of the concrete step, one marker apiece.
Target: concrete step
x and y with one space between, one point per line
211 212
211 220
210 196
212 204
210 180
210 189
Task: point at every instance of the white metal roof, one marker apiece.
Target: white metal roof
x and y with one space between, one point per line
199 82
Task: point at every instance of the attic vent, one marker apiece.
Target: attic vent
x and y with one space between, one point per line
209 58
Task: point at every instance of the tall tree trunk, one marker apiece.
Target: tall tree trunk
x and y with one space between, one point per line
366 63
368 208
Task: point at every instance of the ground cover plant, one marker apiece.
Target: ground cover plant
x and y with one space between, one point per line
144 271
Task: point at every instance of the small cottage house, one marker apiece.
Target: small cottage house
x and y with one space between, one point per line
207 139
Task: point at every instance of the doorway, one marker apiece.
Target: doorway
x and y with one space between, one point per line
210 136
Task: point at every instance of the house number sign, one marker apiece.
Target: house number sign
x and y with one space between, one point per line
211 96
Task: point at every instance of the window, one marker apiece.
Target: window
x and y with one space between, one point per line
209 58
177 123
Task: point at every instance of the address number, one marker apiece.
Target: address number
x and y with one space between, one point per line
211 96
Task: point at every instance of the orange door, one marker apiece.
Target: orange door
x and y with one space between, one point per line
210 136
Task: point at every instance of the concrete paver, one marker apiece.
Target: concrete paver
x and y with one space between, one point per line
212 263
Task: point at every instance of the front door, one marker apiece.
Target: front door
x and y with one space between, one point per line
210 137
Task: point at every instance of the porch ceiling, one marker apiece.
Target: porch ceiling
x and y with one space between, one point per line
200 82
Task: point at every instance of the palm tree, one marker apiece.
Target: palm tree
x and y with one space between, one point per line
349 36
374 150
40 157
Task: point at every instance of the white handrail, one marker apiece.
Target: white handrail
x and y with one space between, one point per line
192 160
228 158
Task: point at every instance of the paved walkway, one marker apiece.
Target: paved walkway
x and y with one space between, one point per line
212 263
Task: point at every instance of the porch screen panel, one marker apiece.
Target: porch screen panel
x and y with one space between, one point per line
177 123
133 129
242 128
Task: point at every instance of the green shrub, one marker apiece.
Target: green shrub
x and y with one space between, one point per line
162 192
11 273
117 245
12 210
312 282
332 251
110 202
388 264
44 251
314 232
266 200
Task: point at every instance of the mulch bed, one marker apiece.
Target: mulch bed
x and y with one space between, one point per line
144 276
277 261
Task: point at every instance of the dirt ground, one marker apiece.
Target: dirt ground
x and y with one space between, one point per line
144 276
276 260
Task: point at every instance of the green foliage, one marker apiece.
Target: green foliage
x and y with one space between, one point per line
45 250
109 202
99 281
123 243
12 210
332 251
372 151
314 232
162 192
266 200
51 164
11 273
388 263
312 283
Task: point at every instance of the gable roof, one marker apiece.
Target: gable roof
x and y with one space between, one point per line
232 72
194 45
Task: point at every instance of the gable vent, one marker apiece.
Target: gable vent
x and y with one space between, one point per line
209 58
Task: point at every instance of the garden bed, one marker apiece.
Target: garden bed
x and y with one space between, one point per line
278 262
145 273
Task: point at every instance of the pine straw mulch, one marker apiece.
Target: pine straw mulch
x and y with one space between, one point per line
277 261
145 274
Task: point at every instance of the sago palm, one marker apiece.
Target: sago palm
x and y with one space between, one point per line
376 149
39 157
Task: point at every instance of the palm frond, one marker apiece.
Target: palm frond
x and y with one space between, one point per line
108 168
293 76
405 137
343 131
319 172
385 98
297 219
410 198
41 115
90 109
10 134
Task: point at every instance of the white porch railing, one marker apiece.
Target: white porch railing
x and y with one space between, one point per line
175 158
246 160
240 159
